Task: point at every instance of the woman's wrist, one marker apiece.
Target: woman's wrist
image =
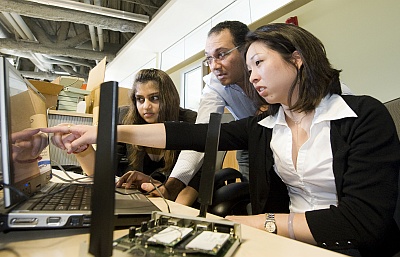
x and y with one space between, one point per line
173 186
290 225
28 160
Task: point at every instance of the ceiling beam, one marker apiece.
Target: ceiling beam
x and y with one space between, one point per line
96 9
63 33
39 33
39 75
144 4
72 72
54 13
21 46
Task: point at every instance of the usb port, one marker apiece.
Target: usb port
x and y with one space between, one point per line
53 221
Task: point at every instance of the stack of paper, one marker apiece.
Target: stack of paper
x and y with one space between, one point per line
69 98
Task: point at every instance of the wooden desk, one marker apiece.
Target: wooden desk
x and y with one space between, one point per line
73 242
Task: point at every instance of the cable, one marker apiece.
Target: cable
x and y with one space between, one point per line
76 80
156 188
13 188
133 193
71 179
162 196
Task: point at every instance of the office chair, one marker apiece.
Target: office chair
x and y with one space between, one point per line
394 109
230 197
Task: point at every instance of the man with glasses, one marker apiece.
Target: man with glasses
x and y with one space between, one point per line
221 56
227 86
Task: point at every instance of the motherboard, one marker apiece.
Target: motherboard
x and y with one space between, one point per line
177 235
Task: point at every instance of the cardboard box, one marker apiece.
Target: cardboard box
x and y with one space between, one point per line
93 101
31 110
49 90
66 81
123 97
95 78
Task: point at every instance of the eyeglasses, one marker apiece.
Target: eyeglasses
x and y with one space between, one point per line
221 56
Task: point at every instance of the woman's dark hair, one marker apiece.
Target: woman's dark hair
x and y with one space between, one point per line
168 111
315 78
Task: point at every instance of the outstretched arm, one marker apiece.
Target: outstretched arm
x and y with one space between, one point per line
150 135
77 138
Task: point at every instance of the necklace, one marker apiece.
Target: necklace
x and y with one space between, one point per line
296 143
298 121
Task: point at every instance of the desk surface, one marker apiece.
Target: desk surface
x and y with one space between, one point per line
73 242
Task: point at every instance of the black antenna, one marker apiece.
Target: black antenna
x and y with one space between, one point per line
102 217
208 169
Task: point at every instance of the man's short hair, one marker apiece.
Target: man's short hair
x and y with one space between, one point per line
238 30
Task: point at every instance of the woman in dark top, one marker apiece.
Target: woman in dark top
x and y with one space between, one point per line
148 166
154 99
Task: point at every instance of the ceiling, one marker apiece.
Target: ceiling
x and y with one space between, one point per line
173 23
49 38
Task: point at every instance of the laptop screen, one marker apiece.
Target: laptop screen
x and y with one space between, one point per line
20 108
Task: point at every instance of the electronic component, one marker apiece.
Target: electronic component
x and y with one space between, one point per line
178 235
132 232
203 226
208 242
170 236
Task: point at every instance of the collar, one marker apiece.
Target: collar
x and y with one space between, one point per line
331 107
210 79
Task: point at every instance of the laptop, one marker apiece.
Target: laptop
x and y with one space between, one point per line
24 184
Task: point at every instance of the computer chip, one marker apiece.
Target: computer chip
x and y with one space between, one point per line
170 236
208 242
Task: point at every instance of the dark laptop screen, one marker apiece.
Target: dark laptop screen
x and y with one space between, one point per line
22 108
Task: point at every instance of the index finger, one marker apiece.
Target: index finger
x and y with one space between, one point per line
121 180
24 134
57 129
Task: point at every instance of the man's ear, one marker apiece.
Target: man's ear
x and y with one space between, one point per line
296 58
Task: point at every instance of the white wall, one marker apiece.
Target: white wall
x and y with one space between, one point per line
362 37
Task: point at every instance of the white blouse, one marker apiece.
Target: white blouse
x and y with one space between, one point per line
312 185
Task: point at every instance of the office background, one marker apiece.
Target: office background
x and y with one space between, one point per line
361 38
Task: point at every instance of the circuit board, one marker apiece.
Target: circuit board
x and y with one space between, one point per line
176 235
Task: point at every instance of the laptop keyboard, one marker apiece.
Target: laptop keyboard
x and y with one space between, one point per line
65 197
